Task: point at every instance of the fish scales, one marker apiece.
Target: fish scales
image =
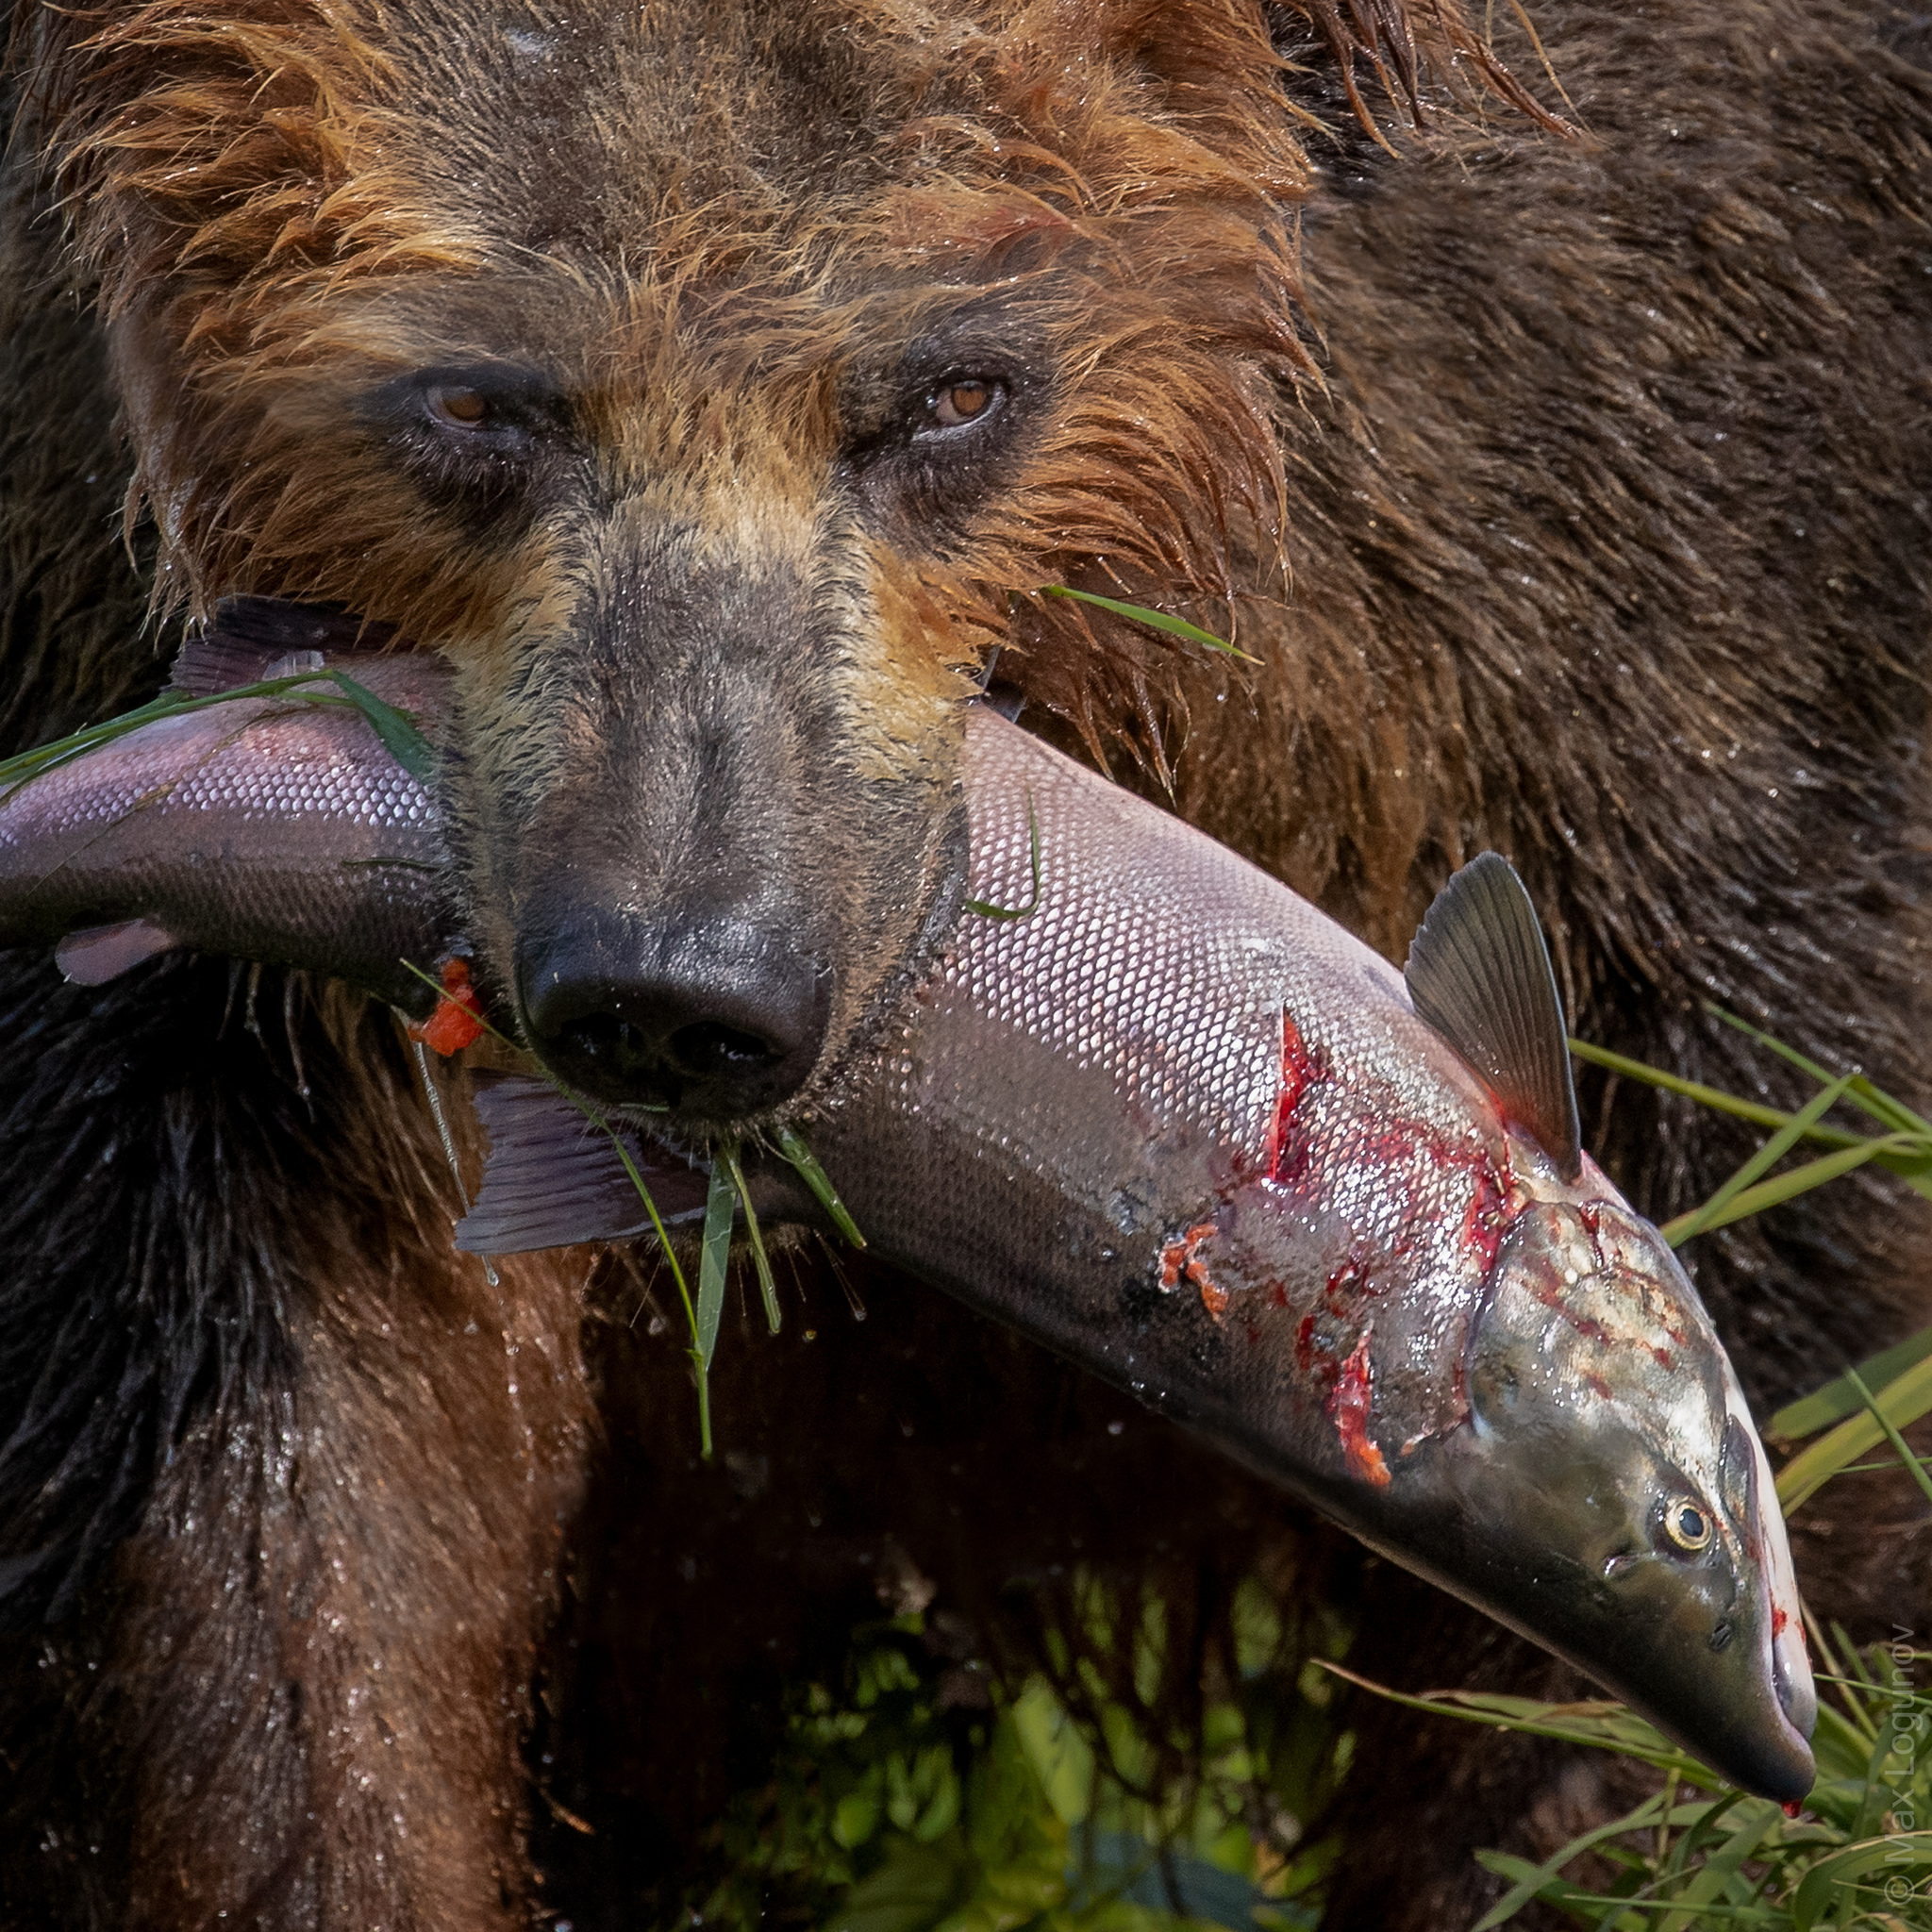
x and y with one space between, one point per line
1175 1122
261 828
1180 1018
1167 1119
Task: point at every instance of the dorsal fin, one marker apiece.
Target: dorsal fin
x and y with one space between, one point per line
1479 974
252 637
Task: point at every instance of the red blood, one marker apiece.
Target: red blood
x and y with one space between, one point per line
1183 1256
1349 1406
1597 1383
1346 1284
1288 1150
1664 1359
1486 1217
456 1021
1278 1295
1778 1621
1793 1808
1587 1326
1304 1342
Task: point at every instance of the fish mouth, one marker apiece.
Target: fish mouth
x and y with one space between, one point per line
1752 1725
1512 1528
1797 1694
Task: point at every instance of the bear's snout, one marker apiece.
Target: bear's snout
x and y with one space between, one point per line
711 1016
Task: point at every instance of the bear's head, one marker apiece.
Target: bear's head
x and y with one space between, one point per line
719 387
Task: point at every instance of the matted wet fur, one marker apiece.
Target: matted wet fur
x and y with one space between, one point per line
1564 468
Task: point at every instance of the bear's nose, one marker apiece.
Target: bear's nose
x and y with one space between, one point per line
715 1017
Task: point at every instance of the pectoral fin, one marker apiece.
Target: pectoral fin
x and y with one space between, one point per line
552 1178
1479 973
97 954
555 1178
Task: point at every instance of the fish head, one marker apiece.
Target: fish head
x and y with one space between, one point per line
1615 1501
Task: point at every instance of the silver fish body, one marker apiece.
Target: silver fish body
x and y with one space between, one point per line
260 828
1183 1127
1166 1117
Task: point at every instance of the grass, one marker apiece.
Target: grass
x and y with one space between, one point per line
1698 1853
396 728
914 1792
727 1194
1154 620
725 1197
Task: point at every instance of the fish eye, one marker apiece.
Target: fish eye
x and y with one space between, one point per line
457 407
959 402
1687 1523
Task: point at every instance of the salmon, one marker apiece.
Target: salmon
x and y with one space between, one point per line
1156 1112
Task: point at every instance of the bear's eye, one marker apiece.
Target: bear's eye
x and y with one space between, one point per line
457 407
1687 1523
959 403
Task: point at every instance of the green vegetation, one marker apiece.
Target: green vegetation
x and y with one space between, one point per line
1697 1853
396 728
920 1793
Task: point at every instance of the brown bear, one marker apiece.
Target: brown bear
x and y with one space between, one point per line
718 386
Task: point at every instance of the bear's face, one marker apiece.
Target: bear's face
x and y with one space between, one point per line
717 388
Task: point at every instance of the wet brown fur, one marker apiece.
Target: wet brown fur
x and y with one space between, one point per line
1563 468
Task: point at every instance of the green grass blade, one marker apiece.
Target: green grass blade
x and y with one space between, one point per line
1919 1474
792 1146
700 1361
1680 1230
1605 1725
767 1288
987 910
1571 1898
1888 1112
396 728
1530 1883
1713 1097
1914 1169
1839 1399
714 1255
1154 620
1823 1886
1901 1403
1758 1817
1800 1180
